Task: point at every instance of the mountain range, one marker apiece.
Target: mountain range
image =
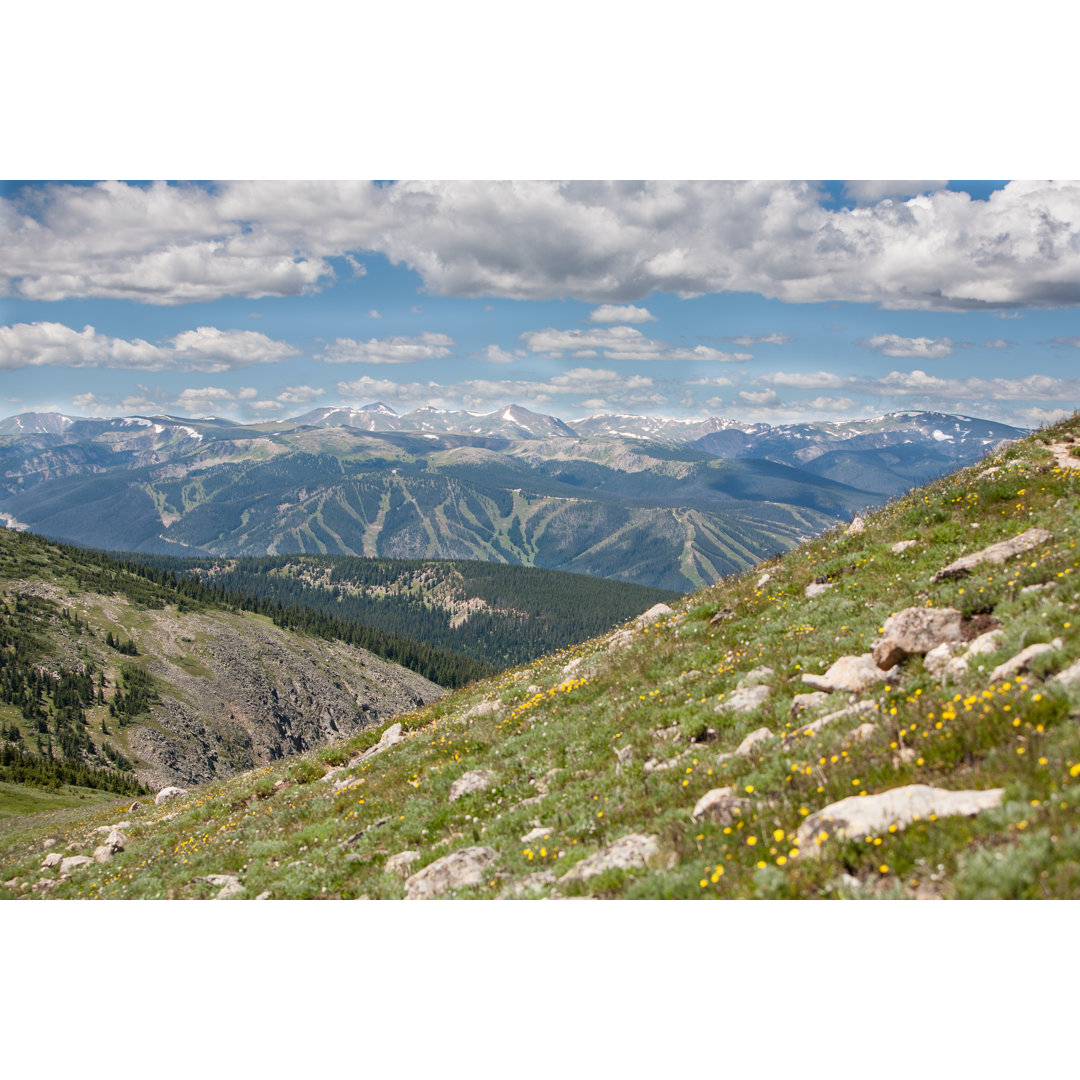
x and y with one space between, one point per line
668 503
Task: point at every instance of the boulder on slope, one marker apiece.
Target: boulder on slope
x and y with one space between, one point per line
995 553
914 632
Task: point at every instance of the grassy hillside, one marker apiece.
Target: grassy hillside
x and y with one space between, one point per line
564 763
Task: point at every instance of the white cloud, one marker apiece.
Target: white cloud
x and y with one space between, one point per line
89 401
804 380
761 339
205 349
1072 342
871 191
998 343
494 355
760 397
373 314
920 348
392 350
212 350
619 343
53 344
297 395
624 313
608 243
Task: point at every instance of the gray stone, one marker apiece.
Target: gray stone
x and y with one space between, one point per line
103 853
530 883
858 816
454 871
914 632
263 896
745 699
902 545
231 891
817 588
986 643
801 703
167 793
541 832
483 708
390 737
937 659
852 673
474 780
54 858
654 614
995 553
1019 663
864 732
622 758
1070 676
857 526
572 666
756 676
73 862
764 580
859 708
621 639
400 863
688 676
721 805
627 853
747 745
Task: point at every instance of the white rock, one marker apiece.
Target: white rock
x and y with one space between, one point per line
986 643
399 863
572 666
54 858
995 553
73 862
863 732
852 673
165 794
801 703
858 816
263 896
534 689
688 676
914 632
454 871
230 891
902 545
763 580
656 612
756 676
745 699
103 853
859 708
747 745
721 805
541 832
816 588
938 658
483 708
621 639
1022 660
857 526
474 780
626 853
1070 676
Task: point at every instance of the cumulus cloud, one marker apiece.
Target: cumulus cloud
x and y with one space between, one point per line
607 243
619 343
998 343
53 344
392 350
759 397
212 350
621 313
205 349
298 395
805 380
1072 342
495 355
920 348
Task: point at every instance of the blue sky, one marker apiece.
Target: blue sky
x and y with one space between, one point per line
763 301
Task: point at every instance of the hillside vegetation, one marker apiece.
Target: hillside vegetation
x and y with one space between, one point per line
495 613
670 759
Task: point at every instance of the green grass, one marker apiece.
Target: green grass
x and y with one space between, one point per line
285 830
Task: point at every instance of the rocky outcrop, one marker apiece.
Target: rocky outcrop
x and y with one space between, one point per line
654 614
721 806
454 871
747 745
995 553
914 632
167 793
858 816
631 852
852 673
744 699
476 780
242 693
400 863
1021 662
